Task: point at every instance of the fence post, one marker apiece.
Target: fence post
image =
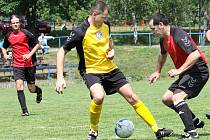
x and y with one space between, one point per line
150 43
48 73
71 72
59 42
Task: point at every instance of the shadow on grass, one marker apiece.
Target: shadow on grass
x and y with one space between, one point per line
201 135
33 114
128 139
204 134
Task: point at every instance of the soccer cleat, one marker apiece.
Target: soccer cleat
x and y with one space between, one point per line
92 135
25 114
39 96
189 135
197 123
163 132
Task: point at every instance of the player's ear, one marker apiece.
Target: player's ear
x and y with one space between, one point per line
161 24
94 14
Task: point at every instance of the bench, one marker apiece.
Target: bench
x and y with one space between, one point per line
42 71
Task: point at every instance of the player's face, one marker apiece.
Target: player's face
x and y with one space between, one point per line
100 18
15 22
156 29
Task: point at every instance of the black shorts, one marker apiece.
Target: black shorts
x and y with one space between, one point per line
111 81
191 82
25 73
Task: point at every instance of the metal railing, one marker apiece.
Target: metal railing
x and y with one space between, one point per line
201 37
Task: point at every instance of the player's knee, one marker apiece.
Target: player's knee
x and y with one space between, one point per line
166 100
133 99
98 100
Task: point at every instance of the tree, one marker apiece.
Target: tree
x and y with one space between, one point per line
179 12
142 9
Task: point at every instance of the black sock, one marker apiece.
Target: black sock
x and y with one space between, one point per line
38 89
185 115
193 115
22 101
173 107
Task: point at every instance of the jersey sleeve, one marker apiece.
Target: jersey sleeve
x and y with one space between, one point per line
6 43
73 40
183 40
162 49
32 41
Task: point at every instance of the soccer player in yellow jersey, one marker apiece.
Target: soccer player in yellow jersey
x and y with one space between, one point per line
100 73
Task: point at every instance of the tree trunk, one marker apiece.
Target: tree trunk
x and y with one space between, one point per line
27 8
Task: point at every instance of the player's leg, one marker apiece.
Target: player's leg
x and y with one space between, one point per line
19 82
189 86
46 49
30 78
97 94
127 92
185 114
167 100
21 97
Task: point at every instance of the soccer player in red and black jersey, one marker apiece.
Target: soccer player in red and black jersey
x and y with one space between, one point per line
190 66
24 45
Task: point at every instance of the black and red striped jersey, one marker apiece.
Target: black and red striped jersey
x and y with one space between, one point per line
21 43
179 45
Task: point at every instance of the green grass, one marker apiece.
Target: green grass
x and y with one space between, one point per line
66 116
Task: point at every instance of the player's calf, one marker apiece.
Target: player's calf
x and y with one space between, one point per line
39 94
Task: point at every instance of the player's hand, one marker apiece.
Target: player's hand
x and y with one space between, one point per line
26 56
60 85
174 72
154 77
6 57
110 54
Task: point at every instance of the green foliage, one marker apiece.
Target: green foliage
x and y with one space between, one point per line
8 6
186 13
142 9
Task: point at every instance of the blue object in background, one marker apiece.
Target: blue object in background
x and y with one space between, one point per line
208 116
1 44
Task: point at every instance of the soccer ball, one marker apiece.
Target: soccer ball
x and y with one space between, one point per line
124 128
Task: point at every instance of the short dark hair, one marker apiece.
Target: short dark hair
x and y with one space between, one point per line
157 18
15 16
99 7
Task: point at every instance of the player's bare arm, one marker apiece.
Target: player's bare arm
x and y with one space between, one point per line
60 82
27 56
156 75
110 53
5 55
190 61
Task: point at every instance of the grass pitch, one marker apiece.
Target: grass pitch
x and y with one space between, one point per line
66 116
